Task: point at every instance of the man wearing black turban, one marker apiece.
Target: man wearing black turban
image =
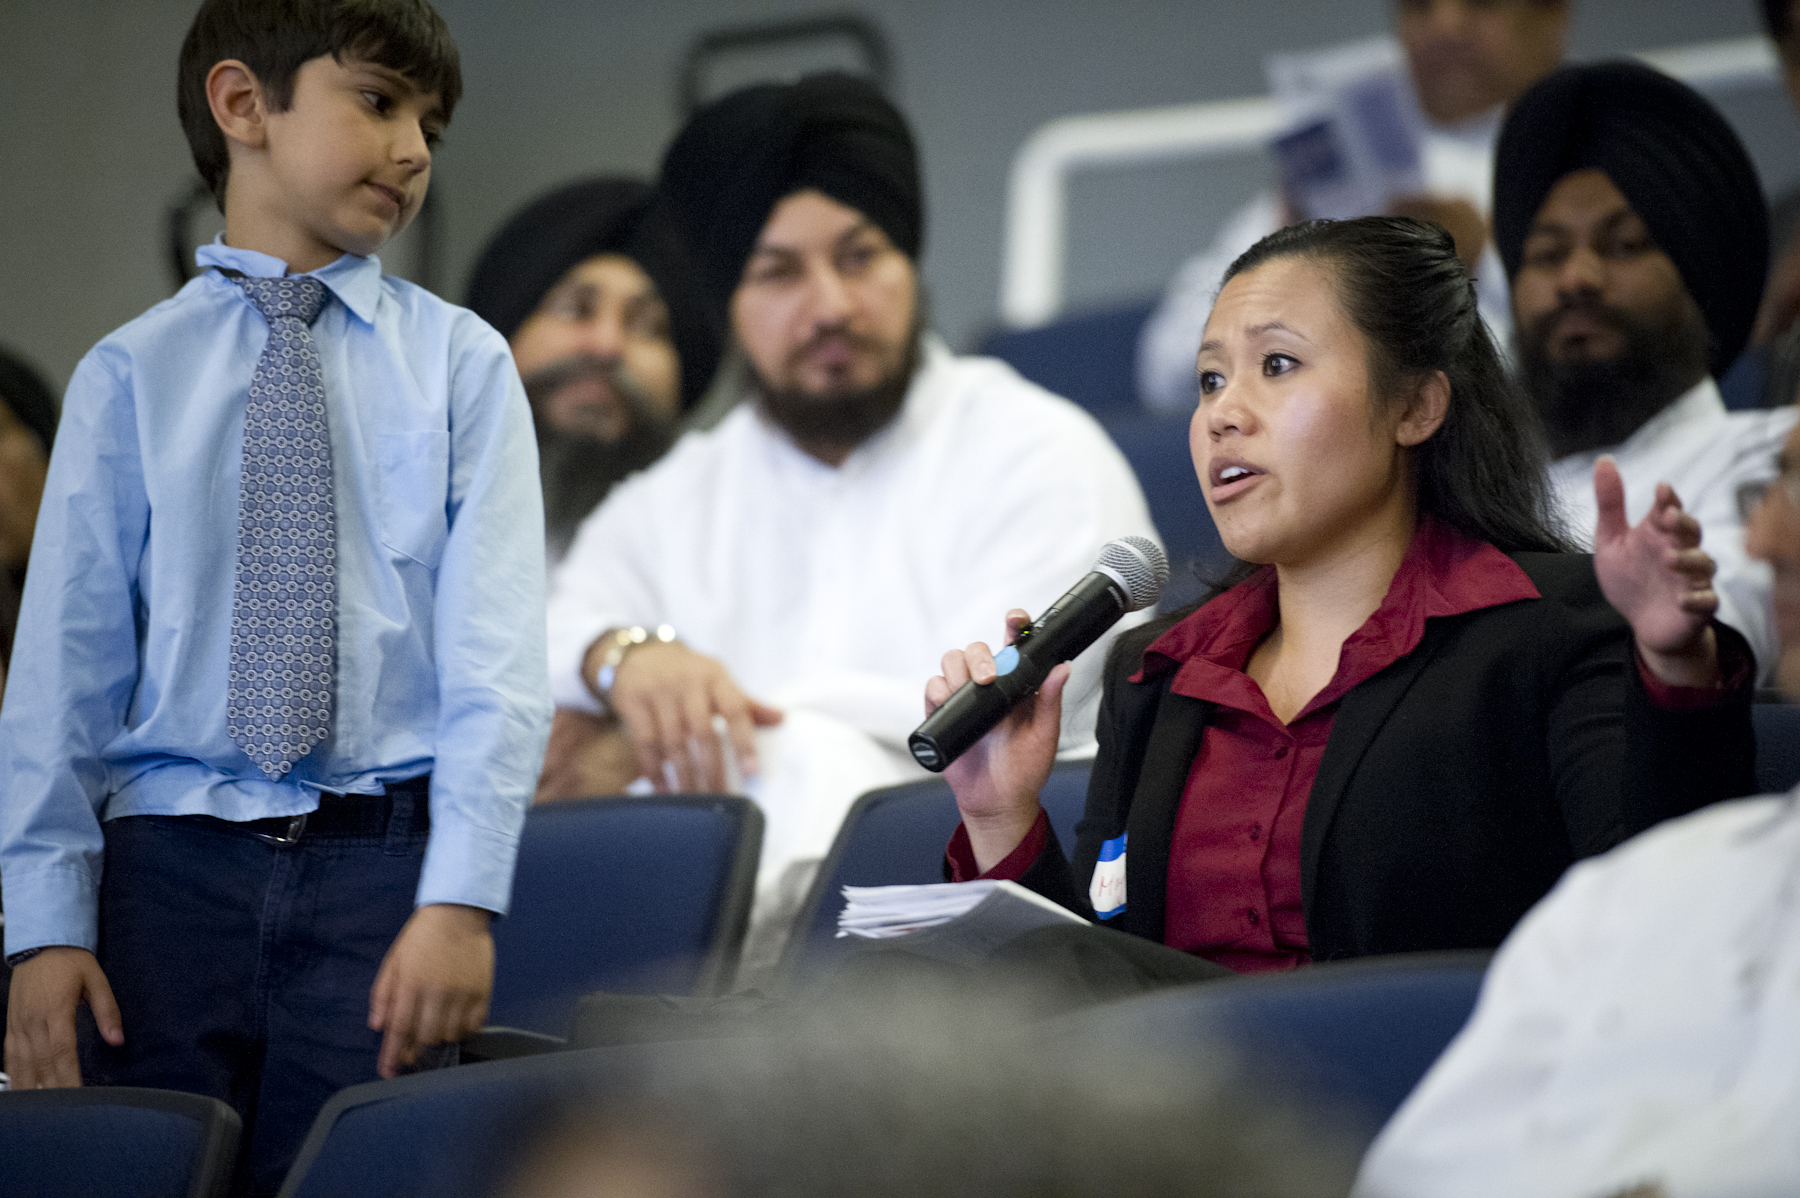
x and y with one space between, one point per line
874 501
1635 237
609 330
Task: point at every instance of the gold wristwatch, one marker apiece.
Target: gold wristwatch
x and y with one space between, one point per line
617 644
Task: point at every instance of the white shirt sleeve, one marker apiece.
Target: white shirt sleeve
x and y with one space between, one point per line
607 580
1171 337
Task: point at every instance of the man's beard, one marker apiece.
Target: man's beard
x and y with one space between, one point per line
840 420
1593 402
578 470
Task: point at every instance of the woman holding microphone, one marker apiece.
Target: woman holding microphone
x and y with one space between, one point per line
1411 707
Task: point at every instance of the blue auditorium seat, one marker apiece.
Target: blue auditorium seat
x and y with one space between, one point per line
896 837
123 1142
1777 746
449 1133
1157 448
1348 1040
1090 358
634 895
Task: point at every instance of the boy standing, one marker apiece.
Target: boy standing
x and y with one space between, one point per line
281 660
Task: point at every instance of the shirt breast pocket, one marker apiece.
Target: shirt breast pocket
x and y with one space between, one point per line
413 470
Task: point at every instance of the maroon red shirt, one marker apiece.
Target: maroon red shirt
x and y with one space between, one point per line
1234 867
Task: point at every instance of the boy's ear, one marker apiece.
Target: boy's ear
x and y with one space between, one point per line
235 96
1425 414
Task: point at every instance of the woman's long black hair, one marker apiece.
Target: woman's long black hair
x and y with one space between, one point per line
1403 287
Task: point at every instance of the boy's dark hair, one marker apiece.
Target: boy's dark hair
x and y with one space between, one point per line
274 37
1403 287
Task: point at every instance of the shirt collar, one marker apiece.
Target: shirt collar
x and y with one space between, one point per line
1444 573
354 280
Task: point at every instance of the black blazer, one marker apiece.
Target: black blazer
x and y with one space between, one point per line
1458 783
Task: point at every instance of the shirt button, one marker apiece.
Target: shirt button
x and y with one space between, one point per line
1252 916
1255 831
1281 752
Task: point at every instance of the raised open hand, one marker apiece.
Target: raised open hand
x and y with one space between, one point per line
1657 576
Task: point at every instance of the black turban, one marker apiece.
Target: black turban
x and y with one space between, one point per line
1674 158
25 393
742 154
560 230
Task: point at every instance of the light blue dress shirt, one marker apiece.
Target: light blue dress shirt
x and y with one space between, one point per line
115 701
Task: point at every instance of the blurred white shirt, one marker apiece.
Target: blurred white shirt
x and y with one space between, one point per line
1457 162
1706 453
833 592
1640 1027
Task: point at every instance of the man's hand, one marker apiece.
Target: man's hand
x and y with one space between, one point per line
998 780
667 695
434 983
1458 216
40 1017
1658 578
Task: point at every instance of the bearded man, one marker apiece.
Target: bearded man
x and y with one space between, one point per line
796 572
606 327
1634 232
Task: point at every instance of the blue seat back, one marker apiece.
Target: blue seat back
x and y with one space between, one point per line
1157 448
1777 746
125 1142
637 895
1349 1040
896 837
446 1133
1090 358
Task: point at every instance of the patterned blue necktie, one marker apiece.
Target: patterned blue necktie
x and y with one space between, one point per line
284 607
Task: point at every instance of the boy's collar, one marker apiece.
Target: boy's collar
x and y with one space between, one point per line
356 281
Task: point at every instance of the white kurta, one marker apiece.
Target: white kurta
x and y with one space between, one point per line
1706 454
832 593
1641 1026
1457 163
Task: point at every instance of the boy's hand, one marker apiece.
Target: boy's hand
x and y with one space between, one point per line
40 1017
434 982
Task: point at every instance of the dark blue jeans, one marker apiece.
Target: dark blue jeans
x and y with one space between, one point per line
242 969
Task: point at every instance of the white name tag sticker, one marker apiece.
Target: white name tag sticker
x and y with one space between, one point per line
1107 890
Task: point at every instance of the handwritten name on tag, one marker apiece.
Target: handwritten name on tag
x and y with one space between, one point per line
1107 890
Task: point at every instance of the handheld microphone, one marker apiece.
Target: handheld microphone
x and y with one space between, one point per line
1130 574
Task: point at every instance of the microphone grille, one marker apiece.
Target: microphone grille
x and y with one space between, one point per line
1139 565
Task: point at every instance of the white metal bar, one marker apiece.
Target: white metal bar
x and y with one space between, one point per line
1031 284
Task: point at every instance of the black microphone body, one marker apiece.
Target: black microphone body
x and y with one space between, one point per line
1070 625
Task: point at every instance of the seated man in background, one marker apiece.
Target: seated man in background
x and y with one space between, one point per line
27 427
1466 60
608 334
875 499
1634 232
1637 1033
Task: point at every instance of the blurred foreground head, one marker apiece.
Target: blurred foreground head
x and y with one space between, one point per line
802 206
920 1089
1772 535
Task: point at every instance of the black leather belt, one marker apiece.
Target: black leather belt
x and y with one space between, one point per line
347 817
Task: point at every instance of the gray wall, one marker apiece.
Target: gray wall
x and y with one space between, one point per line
91 154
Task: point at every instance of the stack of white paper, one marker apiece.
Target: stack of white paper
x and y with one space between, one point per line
878 912
883 912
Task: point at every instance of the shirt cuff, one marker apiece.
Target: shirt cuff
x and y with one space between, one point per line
51 907
468 865
1012 867
1737 670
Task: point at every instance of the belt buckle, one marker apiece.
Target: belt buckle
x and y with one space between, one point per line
296 827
